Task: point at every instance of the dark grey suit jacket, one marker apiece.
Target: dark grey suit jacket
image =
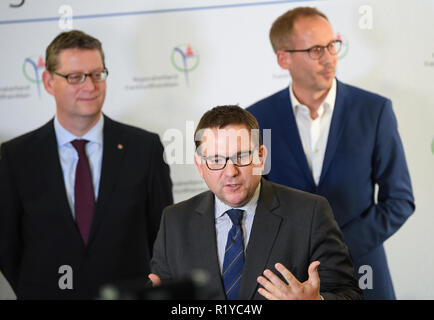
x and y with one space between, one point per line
38 233
292 227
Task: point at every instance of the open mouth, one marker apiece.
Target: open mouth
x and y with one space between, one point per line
232 186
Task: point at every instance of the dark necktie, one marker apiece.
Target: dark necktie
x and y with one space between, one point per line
84 198
234 256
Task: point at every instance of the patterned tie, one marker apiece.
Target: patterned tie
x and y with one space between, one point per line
234 256
84 198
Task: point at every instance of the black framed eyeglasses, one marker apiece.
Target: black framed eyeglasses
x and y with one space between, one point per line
80 77
316 52
240 159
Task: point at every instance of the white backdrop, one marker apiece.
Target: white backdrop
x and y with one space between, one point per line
169 61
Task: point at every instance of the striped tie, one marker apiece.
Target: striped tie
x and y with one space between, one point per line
234 256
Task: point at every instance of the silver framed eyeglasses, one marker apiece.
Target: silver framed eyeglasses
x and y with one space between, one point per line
80 77
316 52
240 159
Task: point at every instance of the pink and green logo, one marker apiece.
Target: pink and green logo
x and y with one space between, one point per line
32 70
185 59
345 46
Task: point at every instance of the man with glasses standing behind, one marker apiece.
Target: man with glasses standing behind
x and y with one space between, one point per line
337 141
254 239
81 197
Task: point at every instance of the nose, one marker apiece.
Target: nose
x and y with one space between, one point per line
88 84
231 170
327 57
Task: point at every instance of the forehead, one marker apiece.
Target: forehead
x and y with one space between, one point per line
225 141
80 59
312 31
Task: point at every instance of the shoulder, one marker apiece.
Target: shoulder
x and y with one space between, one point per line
181 215
143 142
306 210
262 105
287 194
187 207
132 131
143 150
26 142
367 108
359 94
289 200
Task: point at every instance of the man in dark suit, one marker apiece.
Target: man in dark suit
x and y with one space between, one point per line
81 197
337 141
245 228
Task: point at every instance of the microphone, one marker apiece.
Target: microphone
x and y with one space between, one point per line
190 287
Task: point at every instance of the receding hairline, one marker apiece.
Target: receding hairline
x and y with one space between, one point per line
283 28
297 21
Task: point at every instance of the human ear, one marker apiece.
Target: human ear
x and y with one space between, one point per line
47 80
283 59
199 164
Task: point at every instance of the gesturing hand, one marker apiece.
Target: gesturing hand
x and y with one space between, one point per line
156 281
276 289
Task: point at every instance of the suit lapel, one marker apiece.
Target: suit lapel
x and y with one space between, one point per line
51 170
264 231
288 130
336 128
207 239
115 145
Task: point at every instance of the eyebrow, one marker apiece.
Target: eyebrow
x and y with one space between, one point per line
92 71
238 153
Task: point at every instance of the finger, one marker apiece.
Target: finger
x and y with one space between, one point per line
289 277
313 274
156 281
277 282
268 285
267 295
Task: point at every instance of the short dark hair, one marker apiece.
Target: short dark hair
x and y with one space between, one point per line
222 116
282 29
73 39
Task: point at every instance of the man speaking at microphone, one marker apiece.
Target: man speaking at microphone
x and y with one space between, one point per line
255 239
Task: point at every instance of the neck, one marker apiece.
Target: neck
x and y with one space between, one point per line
78 126
309 98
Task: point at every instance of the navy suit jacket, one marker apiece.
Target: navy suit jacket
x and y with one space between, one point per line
363 149
38 233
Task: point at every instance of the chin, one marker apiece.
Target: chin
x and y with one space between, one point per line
90 111
236 202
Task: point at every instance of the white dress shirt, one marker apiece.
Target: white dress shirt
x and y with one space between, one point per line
223 223
314 133
69 156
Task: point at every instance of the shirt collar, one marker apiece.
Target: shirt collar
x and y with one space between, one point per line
63 136
328 103
249 208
